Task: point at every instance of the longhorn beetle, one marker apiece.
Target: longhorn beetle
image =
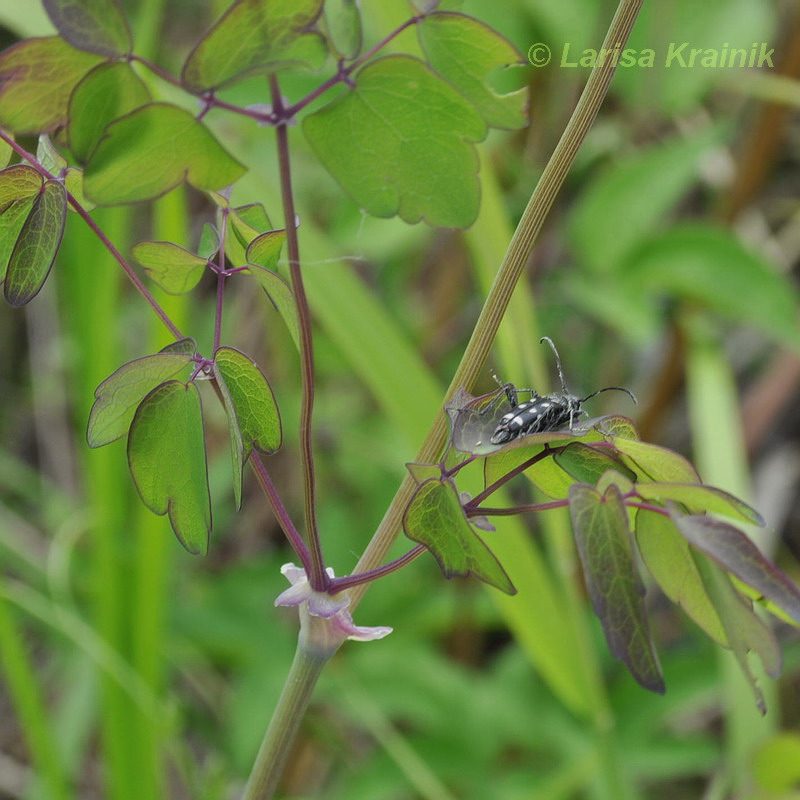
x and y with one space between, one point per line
543 413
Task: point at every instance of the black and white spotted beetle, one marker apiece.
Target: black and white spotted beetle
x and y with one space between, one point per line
542 414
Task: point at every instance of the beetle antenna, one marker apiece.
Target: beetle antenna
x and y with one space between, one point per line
612 388
549 341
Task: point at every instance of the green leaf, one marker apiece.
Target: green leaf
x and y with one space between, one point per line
19 187
700 498
625 204
106 93
667 556
36 79
150 151
37 244
657 463
401 142
6 150
736 553
49 157
255 36
167 459
209 241
342 28
743 628
600 523
253 400
423 472
175 269
710 267
73 183
263 251
465 52
97 26
245 223
587 464
435 518
117 397
253 418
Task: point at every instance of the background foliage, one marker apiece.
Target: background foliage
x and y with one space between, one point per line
668 266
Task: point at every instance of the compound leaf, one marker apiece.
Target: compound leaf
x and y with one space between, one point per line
150 151
97 26
175 269
36 79
167 459
106 93
117 397
734 552
255 36
401 142
37 244
435 518
667 556
600 523
253 418
464 51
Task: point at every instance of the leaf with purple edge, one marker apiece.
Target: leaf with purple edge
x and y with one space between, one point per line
255 36
150 151
465 51
600 523
668 558
402 142
37 77
96 26
107 92
435 518
657 463
37 245
167 460
19 187
117 397
699 498
175 269
744 629
587 464
736 553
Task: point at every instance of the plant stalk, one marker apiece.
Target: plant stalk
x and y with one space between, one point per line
286 719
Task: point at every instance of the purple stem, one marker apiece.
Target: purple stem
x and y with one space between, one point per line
280 512
347 581
646 507
317 576
221 278
507 512
493 487
83 214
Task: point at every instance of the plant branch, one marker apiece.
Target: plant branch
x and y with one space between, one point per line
281 514
221 278
507 512
95 228
348 581
493 487
510 271
317 576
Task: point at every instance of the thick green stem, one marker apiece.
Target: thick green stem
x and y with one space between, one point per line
509 273
288 715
